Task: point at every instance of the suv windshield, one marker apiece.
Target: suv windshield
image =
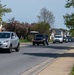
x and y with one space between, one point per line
58 36
4 35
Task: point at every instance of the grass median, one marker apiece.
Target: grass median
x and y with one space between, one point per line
72 72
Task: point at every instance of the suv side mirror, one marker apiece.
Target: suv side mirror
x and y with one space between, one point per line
13 37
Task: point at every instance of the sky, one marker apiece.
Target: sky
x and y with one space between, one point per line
28 10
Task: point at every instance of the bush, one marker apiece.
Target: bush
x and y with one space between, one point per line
30 37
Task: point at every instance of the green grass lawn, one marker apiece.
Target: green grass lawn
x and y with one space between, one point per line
24 40
50 40
72 72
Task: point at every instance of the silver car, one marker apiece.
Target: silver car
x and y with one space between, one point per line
9 41
58 38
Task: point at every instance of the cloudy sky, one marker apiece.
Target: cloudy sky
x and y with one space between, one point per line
27 10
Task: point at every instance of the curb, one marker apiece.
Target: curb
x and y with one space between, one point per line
37 69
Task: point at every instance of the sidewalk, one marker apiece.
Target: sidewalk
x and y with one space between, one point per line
61 66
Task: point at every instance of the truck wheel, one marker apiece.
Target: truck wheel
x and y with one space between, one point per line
33 43
37 43
43 43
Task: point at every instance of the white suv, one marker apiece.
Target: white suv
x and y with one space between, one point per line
8 41
58 38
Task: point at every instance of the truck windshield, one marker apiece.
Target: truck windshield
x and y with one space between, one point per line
39 36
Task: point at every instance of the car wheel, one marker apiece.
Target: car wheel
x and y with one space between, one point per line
61 42
10 49
53 42
17 48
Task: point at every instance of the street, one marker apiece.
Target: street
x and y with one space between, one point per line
29 56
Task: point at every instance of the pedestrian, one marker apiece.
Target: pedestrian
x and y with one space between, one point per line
46 39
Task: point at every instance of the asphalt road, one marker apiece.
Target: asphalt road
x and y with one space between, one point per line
18 62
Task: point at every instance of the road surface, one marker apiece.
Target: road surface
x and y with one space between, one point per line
29 56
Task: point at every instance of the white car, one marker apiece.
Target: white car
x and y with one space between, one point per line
9 41
58 38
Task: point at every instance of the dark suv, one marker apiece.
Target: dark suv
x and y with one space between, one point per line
39 39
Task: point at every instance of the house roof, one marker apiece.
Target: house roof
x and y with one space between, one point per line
57 31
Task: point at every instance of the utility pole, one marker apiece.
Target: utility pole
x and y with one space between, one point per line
0 24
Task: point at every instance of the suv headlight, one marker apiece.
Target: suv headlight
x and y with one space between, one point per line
6 41
43 39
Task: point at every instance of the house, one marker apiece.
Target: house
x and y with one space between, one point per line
0 27
55 31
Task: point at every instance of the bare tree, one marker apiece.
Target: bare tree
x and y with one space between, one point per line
46 16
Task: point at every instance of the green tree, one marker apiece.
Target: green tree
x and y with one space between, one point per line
42 27
69 18
46 16
72 32
3 10
70 3
69 21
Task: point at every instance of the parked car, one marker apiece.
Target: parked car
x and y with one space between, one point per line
70 39
39 39
58 38
65 39
9 41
